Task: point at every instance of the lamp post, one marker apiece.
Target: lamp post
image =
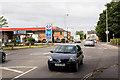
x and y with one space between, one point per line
65 24
107 32
0 38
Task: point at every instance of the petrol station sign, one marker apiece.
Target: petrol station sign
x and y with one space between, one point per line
49 33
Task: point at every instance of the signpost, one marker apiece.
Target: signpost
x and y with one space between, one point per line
49 33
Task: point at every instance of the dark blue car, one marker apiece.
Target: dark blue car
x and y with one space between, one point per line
67 56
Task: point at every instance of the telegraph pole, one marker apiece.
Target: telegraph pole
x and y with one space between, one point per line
107 32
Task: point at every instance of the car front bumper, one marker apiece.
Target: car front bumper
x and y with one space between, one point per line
88 44
68 65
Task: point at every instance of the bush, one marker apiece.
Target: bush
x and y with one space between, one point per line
18 42
67 41
63 40
115 41
27 43
31 40
13 41
6 44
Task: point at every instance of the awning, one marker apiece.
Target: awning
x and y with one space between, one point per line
32 29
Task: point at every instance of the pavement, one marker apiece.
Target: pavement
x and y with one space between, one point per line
101 72
104 44
99 62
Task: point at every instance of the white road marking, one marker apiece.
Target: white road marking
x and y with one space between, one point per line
23 73
105 48
40 53
21 67
47 53
13 70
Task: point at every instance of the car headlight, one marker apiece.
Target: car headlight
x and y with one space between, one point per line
50 59
72 59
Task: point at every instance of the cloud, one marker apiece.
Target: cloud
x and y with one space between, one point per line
83 14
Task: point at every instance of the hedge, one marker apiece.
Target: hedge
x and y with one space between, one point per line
115 41
63 40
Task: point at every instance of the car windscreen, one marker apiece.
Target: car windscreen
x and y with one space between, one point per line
89 40
65 49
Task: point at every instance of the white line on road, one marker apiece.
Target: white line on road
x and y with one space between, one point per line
21 67
11 69
23 73
47 53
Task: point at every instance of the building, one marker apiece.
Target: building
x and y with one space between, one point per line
39 33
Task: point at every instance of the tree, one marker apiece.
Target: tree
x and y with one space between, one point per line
113 12
81 34
3 22
84 36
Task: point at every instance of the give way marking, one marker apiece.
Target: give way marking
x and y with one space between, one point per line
17 71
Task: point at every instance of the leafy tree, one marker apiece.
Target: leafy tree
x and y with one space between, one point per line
3 23
84 36
81 34
113 12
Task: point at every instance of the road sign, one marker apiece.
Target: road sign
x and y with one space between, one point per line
49 33
107 32
5 38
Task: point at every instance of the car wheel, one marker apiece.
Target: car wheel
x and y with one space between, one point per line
50 68
76 67
3 58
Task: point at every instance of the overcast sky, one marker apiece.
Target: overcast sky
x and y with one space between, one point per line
83 14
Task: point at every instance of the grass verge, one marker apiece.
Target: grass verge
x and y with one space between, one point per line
25 47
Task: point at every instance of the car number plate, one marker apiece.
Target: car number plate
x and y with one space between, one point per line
59 64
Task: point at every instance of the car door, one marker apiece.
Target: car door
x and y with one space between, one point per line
0 55
79 52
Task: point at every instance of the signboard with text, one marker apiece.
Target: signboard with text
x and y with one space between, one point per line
19 32
65 34
48 33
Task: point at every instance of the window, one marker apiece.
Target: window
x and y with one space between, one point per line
60 33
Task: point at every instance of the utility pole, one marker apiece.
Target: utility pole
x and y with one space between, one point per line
107 32
1 37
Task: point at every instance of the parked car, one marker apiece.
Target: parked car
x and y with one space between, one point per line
2 55
58 41
66 56
95 40
77 41
89 42
44 41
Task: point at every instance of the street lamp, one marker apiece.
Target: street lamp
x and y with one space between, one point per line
65 24
107 32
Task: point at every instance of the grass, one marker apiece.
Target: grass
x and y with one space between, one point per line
26 47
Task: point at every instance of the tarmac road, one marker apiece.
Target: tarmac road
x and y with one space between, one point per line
32 63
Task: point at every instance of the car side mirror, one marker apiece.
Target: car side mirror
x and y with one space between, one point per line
51 51
80 52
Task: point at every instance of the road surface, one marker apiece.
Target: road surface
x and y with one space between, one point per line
32 63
